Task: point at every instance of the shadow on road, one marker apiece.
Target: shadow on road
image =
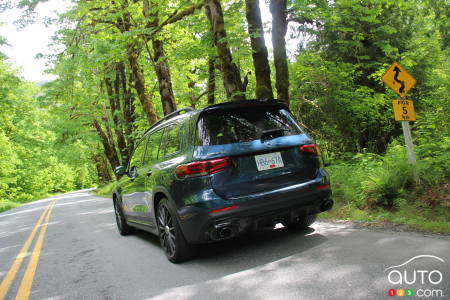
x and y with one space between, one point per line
247 251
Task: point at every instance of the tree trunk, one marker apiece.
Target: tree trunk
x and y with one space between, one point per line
279 29
114 104
101 164
118 119
109 149
109 135
139 85
230 72
259 50
211 81
128 110
164 79
124 25
159 58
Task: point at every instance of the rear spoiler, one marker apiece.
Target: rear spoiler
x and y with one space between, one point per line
246 103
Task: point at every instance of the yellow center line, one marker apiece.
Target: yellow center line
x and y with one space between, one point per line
27 280
6 283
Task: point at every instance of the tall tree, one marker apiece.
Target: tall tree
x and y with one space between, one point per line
124 25
160 60
259 50
231 76
128 109
211 81
140 85
113 90
279 29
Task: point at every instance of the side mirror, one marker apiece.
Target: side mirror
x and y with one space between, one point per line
120 170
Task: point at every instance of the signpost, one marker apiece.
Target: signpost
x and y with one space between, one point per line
399 80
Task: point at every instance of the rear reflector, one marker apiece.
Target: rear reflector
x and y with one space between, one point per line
202 168
311 149
324 186
223 209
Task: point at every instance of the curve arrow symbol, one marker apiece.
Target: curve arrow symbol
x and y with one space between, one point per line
402 83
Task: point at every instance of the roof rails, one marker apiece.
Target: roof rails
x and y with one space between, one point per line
170 116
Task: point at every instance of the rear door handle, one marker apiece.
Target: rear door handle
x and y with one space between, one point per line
149 173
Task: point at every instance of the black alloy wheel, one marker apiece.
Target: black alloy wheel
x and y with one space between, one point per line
172 239
122 225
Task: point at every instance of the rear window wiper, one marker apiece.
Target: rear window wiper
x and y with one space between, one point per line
271 134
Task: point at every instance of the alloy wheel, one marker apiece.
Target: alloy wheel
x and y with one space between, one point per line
118 217
166 230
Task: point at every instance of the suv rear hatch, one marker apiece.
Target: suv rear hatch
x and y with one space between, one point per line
263 142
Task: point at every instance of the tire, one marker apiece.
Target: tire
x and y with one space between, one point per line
122 225
172 240
301 223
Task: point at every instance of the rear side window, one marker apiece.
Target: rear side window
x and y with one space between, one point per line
171 141
243 125
153 145
137 159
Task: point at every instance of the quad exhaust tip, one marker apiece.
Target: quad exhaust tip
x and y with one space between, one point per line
326 205
223 231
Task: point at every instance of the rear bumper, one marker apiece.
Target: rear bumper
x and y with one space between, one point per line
249 212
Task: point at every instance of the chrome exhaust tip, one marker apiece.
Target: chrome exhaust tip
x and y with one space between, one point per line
224 232
326 205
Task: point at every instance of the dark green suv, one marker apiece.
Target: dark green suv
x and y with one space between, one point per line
199 176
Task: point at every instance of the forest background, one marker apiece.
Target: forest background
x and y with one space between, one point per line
124 64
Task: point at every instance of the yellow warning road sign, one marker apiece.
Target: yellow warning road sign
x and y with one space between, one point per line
398 79
404 110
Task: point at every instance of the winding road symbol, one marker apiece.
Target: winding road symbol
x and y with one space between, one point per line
398 79
402 83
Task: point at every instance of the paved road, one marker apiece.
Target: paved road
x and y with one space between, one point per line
82 256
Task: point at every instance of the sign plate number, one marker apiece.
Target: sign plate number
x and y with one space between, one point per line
269 161
404 110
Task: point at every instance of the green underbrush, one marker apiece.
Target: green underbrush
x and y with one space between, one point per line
7 204
370 187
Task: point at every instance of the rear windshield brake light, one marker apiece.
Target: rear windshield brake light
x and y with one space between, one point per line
202 168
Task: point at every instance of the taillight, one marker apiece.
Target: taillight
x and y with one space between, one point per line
202 168
310 149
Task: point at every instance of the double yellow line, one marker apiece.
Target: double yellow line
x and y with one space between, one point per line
27 280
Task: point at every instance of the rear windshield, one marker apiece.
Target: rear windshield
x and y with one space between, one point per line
243 125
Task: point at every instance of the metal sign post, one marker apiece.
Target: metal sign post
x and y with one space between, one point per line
398 79
409 143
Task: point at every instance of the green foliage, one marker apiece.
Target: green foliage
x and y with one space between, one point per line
31 163
343 114
105 190
383 188
338 93
386 182
47 141
432 138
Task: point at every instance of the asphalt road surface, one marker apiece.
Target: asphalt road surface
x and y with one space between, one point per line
68 247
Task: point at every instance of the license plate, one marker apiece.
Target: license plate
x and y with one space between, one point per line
269 161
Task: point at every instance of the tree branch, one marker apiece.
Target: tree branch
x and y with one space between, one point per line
300 20
177 16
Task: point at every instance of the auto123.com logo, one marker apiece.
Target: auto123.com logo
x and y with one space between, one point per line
407 277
